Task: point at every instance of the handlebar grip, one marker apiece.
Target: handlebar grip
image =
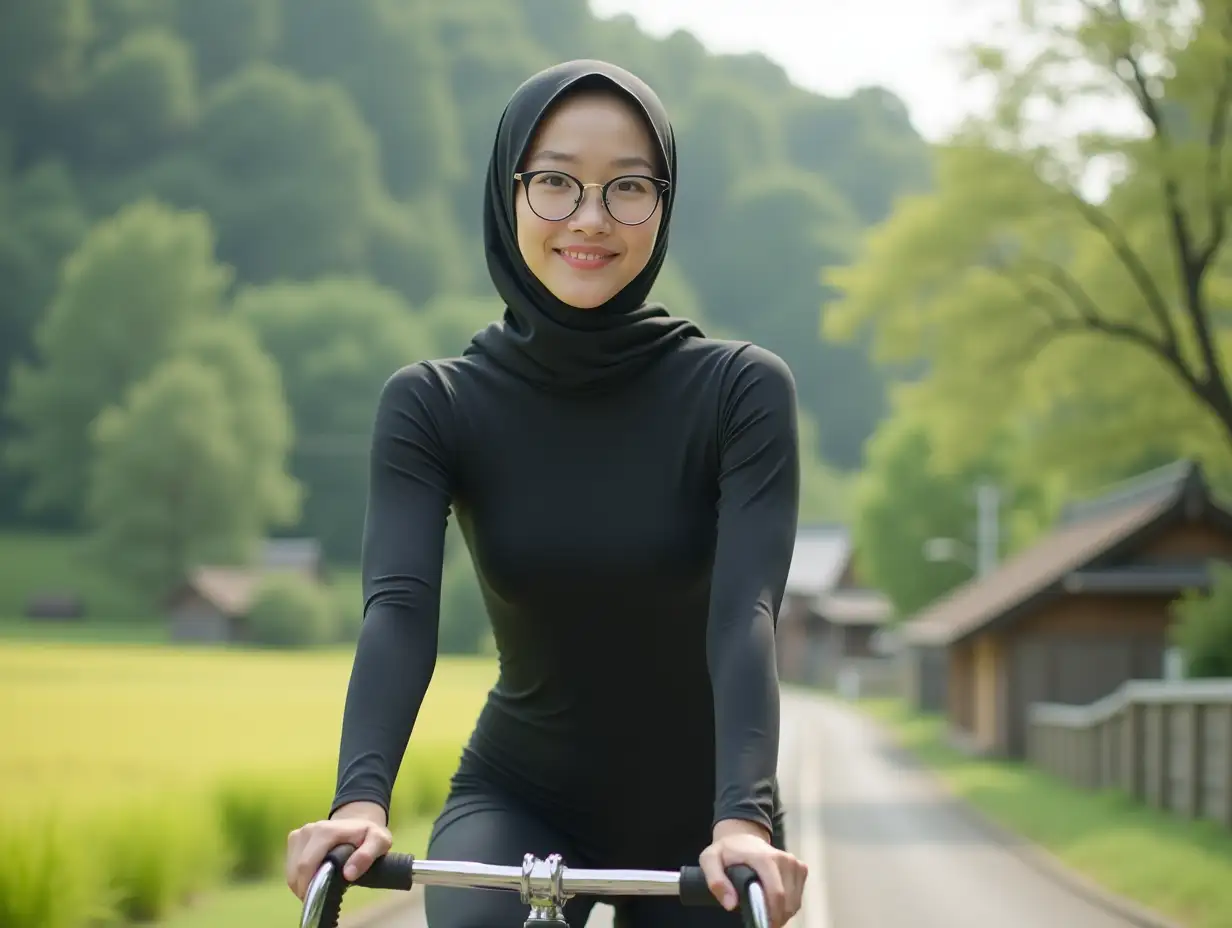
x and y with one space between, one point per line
695 891
389 871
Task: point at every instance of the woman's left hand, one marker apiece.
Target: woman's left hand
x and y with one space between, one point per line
782 875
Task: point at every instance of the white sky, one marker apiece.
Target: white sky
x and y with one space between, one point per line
836 46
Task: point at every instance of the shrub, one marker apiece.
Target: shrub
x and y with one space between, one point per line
291 611
1203 630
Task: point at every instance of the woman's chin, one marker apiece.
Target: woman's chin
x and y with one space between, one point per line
583 298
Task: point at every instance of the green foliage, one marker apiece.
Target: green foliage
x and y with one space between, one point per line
167 487
260 417
52 879
125 298
141 97
1094 327
257 814
1203 629
331 139
291 611
336 342
158 855
907 496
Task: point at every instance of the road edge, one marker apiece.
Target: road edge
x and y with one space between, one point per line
1031 853
807 820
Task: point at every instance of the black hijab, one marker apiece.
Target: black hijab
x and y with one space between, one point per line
540 338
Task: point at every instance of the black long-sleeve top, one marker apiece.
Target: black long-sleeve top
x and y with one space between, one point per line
632 546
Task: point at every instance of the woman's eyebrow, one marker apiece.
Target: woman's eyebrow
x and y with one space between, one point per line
629 161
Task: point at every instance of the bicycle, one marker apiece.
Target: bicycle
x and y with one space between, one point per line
545 885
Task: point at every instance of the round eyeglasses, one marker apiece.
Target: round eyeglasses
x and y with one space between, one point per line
555 195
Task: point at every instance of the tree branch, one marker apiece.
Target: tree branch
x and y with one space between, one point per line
1086 317
1132 262
1189 260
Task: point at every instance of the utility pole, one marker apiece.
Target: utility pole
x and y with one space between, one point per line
988 506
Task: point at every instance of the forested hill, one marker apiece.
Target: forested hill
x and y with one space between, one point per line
343 142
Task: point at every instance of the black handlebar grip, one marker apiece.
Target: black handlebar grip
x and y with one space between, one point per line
695 891
389 871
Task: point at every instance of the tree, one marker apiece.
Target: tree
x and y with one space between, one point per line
336 342
261 417
905 497
125 298
1093 325
167 483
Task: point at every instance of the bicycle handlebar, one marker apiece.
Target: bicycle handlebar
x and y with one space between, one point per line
544 885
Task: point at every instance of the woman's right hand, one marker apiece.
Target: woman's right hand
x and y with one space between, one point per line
362 828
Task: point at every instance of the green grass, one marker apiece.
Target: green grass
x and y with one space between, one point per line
270 903
1181 869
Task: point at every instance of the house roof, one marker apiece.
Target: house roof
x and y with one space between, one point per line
853 607
818 559
1085 535
230 589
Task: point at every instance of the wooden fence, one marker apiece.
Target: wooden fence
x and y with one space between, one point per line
1167 744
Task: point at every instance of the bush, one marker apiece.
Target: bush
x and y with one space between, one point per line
1203 630
292 611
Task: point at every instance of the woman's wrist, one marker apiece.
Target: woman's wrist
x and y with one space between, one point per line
371 811
739 826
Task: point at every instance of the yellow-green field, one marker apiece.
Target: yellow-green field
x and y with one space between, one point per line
88 723
150 775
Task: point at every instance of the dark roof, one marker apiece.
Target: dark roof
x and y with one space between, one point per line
1086 537
1140 578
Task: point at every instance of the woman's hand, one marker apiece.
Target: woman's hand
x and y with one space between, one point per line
360 824
782 875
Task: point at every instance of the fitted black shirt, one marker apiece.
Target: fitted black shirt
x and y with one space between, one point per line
631 544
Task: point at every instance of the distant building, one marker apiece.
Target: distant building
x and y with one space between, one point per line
1073 617
829 619
213 603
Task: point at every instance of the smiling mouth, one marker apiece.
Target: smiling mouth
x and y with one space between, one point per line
586 260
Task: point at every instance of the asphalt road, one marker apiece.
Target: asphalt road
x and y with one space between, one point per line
896 851
886 847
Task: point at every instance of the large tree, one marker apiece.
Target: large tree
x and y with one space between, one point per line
1095 323
126 298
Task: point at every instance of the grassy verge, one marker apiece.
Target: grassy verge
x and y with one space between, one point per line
1179 868
269 903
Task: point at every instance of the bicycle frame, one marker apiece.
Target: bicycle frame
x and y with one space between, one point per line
544 885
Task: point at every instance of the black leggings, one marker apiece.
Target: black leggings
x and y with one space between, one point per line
482 826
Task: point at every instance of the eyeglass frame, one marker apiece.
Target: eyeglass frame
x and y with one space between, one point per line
661 186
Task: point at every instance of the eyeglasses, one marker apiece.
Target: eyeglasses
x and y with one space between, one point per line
555 195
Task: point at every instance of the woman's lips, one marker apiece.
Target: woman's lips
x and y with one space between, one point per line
586 258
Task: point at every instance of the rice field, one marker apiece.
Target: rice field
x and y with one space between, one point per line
150 774
88 724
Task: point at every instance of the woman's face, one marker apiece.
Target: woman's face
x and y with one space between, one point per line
588 257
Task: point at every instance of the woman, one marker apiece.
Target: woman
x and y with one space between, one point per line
628 491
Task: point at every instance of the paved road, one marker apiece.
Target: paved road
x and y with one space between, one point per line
898 852
886 848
